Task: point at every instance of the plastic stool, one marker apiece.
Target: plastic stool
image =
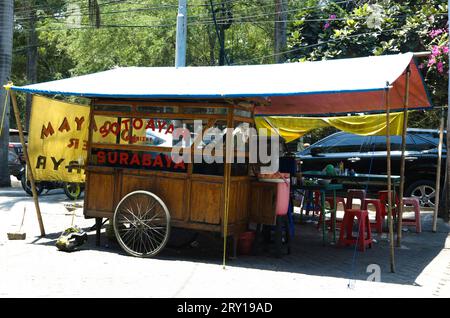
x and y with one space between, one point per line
416 206
346 234
379 217
355 194
330 201
383 197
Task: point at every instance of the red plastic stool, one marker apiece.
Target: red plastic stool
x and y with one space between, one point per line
379 217
383 197
416 206
346 234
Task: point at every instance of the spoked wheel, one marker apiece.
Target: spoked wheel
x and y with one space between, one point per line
142 224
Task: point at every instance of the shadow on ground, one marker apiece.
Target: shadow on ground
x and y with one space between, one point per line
309 256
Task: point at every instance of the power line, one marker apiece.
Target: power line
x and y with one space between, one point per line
196 23
318 44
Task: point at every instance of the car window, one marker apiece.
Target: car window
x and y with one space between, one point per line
421 144
432 137
342 143
378 143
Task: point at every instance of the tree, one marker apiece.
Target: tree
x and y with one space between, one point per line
6 41
388 27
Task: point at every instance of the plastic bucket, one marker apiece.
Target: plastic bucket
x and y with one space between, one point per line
245 243
283 193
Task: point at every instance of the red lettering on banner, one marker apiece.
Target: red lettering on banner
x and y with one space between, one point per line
73 142
158 161
47 131
161 125
101 158
112 160
114 128
150 125
170 129
135 160
79 122
125 122
64 125
147 159
168 161
104 129
123 158
138 123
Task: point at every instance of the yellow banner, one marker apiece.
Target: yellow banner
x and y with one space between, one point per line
57 140
291 128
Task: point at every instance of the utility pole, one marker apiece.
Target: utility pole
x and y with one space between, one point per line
280 41
180 49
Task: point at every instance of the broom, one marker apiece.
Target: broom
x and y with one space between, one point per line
19 235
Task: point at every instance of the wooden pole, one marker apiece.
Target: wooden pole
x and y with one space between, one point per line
438 172
27 160
226 183
388 163
402 161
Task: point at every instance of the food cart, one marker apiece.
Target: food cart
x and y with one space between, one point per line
135 182
129 175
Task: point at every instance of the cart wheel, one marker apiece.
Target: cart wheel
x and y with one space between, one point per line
142 224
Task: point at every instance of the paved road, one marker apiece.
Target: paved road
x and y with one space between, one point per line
35 268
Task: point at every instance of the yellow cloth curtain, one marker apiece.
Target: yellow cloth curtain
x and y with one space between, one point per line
291 128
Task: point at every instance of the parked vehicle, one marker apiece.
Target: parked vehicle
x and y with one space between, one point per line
16 158
72 190
367 154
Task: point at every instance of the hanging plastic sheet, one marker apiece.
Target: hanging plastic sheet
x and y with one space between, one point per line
291 128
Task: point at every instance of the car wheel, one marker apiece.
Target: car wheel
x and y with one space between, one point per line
425 191
26 186
72 190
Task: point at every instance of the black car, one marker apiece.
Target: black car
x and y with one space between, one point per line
367 154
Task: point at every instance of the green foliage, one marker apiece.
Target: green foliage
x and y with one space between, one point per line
388 27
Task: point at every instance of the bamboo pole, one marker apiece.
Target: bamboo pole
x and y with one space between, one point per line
402 161
438 172
388 163
27 160
226 184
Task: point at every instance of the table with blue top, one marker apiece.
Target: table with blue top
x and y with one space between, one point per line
323 189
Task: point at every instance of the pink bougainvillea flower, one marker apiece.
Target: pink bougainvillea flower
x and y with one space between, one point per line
332 17
431 61
434 33
435 50
445 49
440 67
326 26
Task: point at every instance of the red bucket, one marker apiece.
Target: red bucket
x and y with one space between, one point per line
245 243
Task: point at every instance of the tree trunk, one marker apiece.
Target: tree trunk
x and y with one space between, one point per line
32 55
6 37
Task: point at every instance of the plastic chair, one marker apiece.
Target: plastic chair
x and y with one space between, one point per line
346 237
414 202
379 218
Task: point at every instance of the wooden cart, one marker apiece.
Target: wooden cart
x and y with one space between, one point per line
131 180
